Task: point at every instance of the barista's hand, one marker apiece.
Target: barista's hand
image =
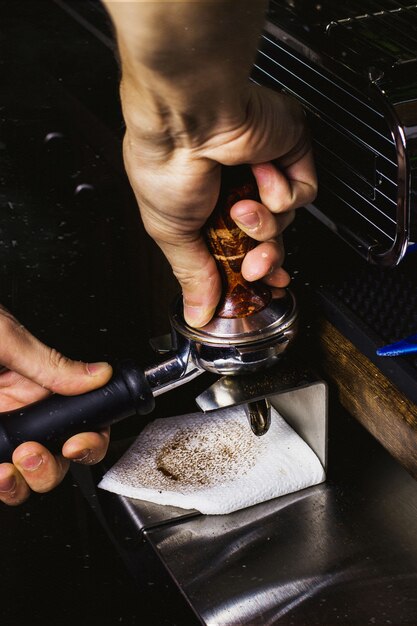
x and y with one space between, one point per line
31 371
176 182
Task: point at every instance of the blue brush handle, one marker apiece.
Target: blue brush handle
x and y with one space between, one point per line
53 420
404 346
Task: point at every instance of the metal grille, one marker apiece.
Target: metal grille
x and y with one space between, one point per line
355 150
386 32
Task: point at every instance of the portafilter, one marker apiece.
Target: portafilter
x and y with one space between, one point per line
252 327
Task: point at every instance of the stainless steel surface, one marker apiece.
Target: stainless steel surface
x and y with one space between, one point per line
344 552
149 515
306 410
177 370
241 345
162 344
232 391
300 561
299 396
279 315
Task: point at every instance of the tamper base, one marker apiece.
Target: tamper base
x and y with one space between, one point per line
236 346
279 315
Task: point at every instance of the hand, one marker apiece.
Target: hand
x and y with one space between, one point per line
31 372
177 183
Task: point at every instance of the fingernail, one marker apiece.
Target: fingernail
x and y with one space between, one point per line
82 456
249 220
7 484
31 462
197 316
95 369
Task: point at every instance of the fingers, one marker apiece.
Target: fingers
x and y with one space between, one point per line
36 469
21 352
280 193
32 368
292 188
175 200
258 222
41 470
264 262
87 448
199 278
17 391
13 488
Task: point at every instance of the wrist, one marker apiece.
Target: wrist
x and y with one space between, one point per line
185 65
182 117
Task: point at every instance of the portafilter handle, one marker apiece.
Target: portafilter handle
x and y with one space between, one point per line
229 245
132 390
53 420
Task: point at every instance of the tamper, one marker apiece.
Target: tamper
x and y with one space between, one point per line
252 327
253 324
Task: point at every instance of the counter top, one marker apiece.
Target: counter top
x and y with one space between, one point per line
343 552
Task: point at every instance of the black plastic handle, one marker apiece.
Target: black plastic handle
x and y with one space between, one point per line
52 421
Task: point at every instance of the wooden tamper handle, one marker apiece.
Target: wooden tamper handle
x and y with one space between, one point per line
229 245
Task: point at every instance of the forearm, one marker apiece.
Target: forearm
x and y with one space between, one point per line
185 65
189 111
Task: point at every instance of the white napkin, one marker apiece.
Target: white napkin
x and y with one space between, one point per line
213 463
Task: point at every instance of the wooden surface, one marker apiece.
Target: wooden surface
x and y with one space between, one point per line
369 396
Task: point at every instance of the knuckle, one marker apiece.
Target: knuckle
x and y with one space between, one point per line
56 360
8 324
53 376
18 492
45 486
270 231
49 480
204 272
188 277
285 203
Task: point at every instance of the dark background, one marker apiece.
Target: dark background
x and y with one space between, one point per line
78 270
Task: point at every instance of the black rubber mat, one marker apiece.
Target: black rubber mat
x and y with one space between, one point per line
371 306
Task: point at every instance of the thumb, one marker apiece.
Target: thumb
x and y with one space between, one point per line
23 353
197 273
